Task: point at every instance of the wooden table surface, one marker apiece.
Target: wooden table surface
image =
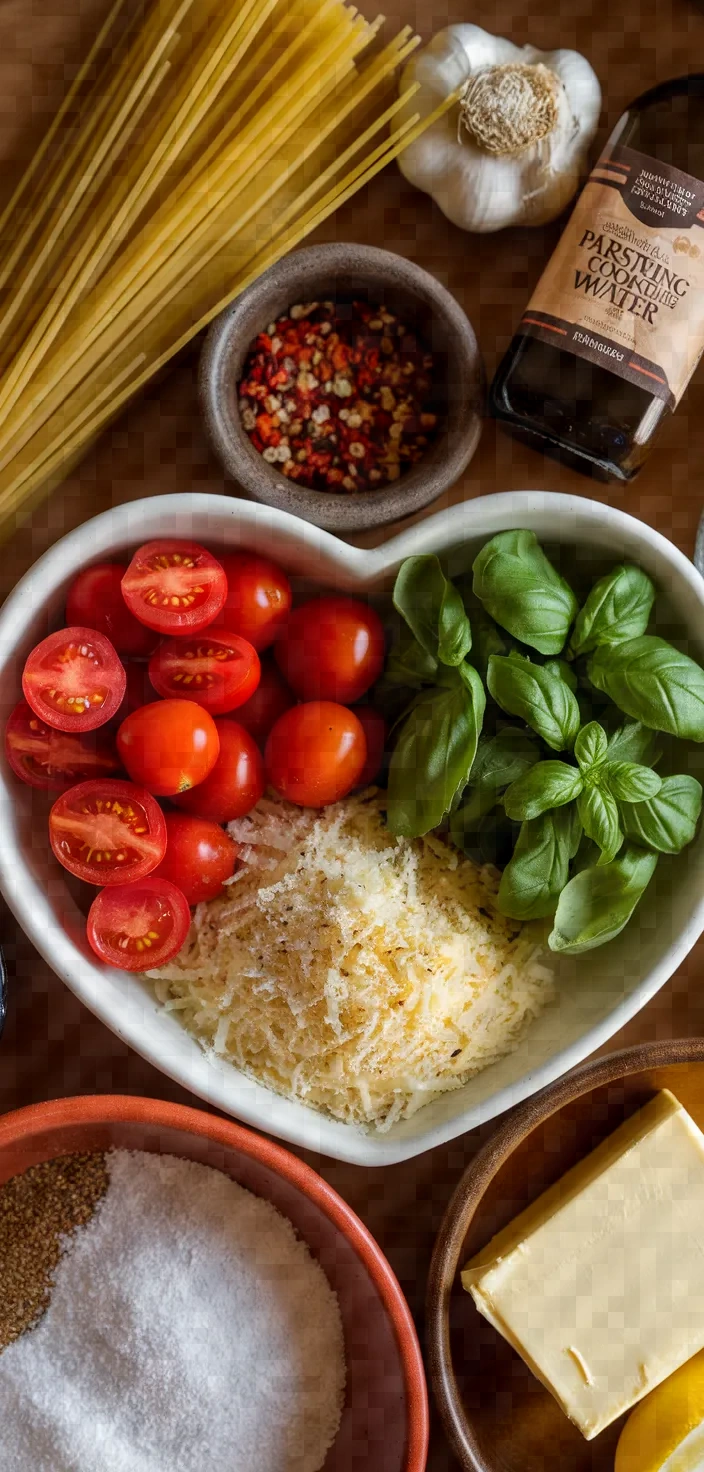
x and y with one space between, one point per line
52 1045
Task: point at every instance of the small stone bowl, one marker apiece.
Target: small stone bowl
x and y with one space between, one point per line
342 272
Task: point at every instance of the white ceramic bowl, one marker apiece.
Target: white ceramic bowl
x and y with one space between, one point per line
597 994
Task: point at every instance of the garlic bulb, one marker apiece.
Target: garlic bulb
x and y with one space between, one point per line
512 151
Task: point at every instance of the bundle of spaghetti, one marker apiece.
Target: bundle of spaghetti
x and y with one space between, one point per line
198 143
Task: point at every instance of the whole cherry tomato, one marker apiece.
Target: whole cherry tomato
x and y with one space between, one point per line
174 587
107 831
269 701
258 598
331 649
139 925
316 753
236 782
199 856
375 730
74 680
219 670
95 601
46 758
168 746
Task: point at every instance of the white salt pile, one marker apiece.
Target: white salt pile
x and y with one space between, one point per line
189 1330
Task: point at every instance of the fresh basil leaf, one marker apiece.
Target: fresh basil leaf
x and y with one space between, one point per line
632 742
598 811
630 782
538 696
668 822
547 785
408 666
504 758
565 670
487 638
539 869
591 746
433 757
617 608
597 903
523 592
433 609
653 682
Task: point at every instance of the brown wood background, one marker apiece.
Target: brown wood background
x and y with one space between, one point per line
52 1045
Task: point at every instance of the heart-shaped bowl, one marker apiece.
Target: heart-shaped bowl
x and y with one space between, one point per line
596 994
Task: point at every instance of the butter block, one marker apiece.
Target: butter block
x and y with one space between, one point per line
599 1284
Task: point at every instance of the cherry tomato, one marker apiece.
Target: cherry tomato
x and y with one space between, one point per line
140 925
258 598
220 671
236 782
199 856
74 680
95 601
374 727
316 753
168 746
331 649
174 587
43 757
107 831
269 701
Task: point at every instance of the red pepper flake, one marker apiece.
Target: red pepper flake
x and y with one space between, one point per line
339 396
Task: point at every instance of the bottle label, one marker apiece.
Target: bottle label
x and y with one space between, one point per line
625 286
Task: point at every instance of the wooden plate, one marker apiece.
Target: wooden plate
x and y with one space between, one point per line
497 1416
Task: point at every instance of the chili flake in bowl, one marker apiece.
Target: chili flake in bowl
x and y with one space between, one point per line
345 386
340 396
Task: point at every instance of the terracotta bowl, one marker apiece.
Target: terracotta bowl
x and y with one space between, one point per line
385 1420
340 272
498 1417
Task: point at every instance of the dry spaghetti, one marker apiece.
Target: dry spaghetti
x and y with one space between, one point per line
197 144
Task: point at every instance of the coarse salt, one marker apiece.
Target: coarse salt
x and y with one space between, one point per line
188 1329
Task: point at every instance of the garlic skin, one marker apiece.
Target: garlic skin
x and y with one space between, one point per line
531 182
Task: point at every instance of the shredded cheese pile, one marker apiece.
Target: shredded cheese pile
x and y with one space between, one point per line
356 972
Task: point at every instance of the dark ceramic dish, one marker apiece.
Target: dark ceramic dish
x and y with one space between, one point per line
497 1416
343 272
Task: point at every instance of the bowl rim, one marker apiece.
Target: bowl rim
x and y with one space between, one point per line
99 1109
469 1191
354 512
217 517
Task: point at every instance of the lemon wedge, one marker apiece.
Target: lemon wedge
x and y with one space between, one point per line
665 1432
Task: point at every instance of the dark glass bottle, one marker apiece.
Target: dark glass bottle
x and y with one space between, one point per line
636 240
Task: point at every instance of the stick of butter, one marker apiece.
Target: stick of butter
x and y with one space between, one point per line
599 1284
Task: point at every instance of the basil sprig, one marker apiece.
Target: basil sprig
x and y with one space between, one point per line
617 608
653 682
433 610
533 880
539 695
523 592
598 902
433 756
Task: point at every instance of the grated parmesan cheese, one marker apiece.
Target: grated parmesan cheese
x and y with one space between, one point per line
356 972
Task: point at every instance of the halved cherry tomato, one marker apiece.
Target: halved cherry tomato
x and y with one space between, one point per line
199 856
168 746
218 670
331 649
374 727
108 831
269 701
46 758
258 598
140 925
316 753
236 782
74 680
95 601
174 587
